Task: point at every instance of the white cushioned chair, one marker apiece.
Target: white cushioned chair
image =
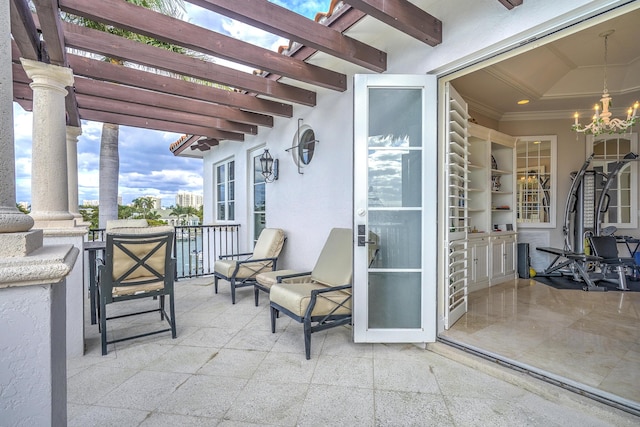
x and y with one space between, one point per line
242 272
319 299
138 264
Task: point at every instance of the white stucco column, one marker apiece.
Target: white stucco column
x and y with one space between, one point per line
33 377
11 219
73 133
49 184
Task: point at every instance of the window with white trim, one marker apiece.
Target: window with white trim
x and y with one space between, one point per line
225 190
607 151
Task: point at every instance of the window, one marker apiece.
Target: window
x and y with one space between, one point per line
536 181
259 197
225 191
623 194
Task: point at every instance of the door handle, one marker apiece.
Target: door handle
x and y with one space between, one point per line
362 241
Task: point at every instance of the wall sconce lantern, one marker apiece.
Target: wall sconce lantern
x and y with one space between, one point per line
269 166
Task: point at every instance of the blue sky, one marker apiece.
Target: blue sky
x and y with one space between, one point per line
147 167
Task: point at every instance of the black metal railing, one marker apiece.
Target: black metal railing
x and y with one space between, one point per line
195 247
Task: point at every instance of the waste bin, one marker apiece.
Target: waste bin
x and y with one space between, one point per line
524 261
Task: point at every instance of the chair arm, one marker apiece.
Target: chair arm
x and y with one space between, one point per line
234 255
254 260
279 279
316 292
246 261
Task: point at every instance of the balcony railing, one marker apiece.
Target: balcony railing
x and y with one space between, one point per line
195 247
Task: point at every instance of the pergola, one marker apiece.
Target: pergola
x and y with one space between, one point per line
218 102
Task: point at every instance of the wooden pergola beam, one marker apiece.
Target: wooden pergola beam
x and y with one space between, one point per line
404 16
145 123
164 28
24 31
116 47
510 4
117 92
100 70
280 21
231 118
88 102
51 27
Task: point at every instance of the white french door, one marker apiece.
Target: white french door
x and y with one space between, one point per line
395 208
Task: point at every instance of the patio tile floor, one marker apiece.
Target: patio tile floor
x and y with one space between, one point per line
226 368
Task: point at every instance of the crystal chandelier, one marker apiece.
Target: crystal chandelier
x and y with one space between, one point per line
602 121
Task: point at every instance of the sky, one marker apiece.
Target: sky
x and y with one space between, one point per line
147 167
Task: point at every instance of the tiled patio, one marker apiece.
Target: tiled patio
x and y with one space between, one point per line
227 368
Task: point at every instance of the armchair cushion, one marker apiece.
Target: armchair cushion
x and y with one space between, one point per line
296 297
122 261
226 268
269 243
333 266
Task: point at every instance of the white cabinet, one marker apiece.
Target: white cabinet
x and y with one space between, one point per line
492 195
503 258
479 263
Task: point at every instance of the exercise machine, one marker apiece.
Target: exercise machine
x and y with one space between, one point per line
586 204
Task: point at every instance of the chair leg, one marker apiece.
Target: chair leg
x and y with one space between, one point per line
274 314
256 291
103 327
215 283
307 338
161 307
172 311
233 290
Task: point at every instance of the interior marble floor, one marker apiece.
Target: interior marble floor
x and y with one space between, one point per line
589 337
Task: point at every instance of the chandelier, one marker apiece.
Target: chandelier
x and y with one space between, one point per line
601 121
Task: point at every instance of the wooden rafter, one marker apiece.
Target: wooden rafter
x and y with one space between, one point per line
119 92
100 70
25 33
123 49
136 96
51 27
510 4
280 21
231 119
145 123
167 29
89 102
404 16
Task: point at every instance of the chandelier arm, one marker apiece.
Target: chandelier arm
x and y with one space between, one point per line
602 122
